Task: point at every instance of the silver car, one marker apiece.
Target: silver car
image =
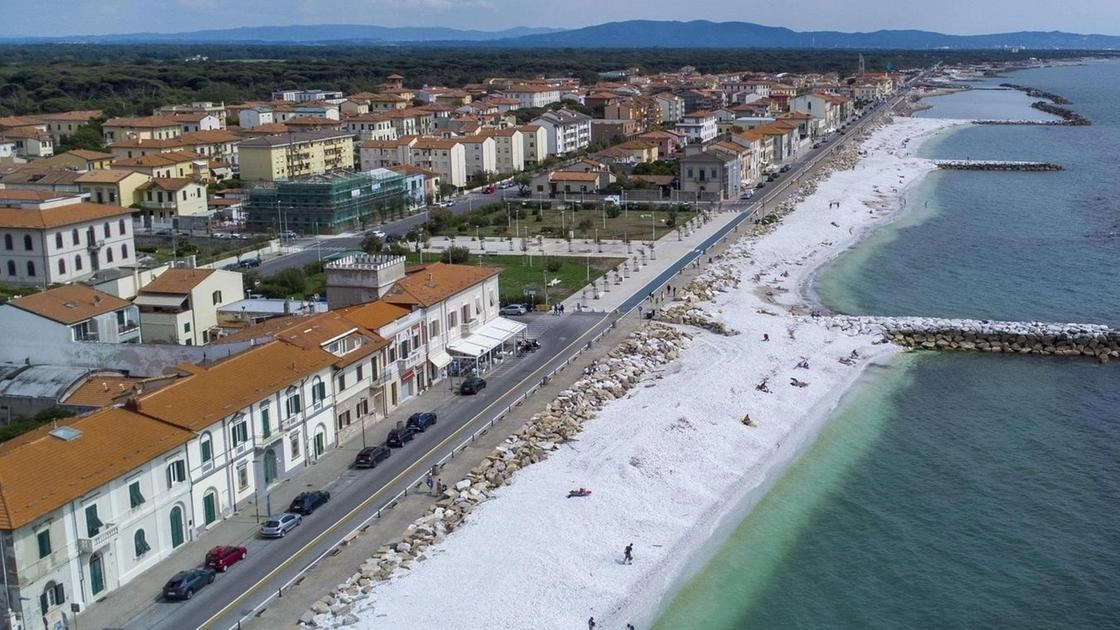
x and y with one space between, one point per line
278 525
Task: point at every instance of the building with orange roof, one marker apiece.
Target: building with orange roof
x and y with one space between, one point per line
62 240
113 186
30 141
374 126
167 164
80 160
72 312
146 128
180 306
86 506
172 202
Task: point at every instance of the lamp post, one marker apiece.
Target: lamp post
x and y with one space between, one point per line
589 267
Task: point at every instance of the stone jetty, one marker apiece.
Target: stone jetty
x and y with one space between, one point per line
982 335
996 165
1037 93
640 357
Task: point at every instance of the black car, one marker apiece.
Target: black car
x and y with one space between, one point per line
186 583
472 385
421 421
370 456
250 263
307 502
397 437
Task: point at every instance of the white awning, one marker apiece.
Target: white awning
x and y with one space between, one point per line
465 347
501 328
159 300
439 358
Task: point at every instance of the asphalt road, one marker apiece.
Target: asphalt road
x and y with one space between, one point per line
357 494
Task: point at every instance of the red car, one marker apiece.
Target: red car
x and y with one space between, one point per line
489 190
221 558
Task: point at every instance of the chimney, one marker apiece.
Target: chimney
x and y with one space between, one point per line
104 386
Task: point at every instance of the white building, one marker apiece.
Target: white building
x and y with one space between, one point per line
72 313
478 151
533 95
698 126
181 305
62 239
567 130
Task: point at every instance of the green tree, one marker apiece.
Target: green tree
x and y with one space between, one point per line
287 283
372 244
455 255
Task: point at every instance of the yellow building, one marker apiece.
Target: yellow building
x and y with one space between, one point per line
147 128
292 155
79 160
164 199
169 164
112 186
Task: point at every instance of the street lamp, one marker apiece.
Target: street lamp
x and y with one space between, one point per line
589 267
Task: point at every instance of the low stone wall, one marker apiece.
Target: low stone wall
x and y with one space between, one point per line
643 353
1042 338
973 165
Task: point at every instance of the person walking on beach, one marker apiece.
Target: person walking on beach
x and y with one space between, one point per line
591 624
628 554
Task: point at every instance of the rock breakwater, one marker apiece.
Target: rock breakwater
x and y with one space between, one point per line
1041 338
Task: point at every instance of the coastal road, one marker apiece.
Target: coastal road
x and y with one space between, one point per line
357 495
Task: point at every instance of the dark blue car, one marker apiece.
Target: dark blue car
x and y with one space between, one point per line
186 583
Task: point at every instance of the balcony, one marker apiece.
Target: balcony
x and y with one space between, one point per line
469 328
158 205
89 545
409 362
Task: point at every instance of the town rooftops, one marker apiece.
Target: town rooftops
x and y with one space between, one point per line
44 469
171 184
177 281
209 394
427 285
295 137
71 214
86 154
568 176
81 115
161 159
69 303
147 122
105 176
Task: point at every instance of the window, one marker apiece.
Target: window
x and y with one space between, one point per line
239 434
120 226
8 241
404 349
93 524
11 268
266 422
176 472
291 403
44 539
206 447
359 372
78 262
30 268
242 475
293 439
61 267
135 497
341 381
76 237
216 297
108 254
392 353
452 320
318 391
27 243
140 543
53 595
105 229
124 251
58 240
186 327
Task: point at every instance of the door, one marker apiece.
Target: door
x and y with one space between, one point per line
96 574
269 466
320 442
210 507
176 526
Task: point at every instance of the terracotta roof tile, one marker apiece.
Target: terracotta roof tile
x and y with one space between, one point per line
58 216
177 281
373 315
431 284
70 303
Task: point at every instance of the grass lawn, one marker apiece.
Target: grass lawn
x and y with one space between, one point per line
518 275
207 250
636 223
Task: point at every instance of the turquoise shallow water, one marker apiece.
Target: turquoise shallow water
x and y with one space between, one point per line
959 491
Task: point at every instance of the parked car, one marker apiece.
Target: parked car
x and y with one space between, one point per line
378 233
249 263
397 437
232 267
307 502
513 309
289 234
225 556
447 203
370 456
747 194
489 190
760 185
421 421
785 168
277 526
472 385
185 584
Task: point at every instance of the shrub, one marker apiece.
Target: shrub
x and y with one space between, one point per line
455 255
552 265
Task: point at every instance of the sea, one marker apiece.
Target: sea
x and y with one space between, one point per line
959 490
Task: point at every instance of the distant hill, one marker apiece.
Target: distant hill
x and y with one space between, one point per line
313 34
705 34
628 34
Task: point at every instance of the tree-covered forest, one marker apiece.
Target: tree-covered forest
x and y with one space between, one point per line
135 79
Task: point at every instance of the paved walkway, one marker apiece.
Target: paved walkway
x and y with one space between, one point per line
125 603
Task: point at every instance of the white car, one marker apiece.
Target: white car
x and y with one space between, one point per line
378 233
513 309
280 524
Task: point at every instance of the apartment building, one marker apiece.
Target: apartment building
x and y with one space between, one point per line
567 131
181 305
284 157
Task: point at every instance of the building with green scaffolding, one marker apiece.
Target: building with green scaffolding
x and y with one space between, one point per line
328 204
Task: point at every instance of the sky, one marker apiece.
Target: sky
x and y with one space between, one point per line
959 17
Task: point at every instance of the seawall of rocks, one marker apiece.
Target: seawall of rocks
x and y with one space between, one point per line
1042 338
685 308
996 165
1037 93
643 353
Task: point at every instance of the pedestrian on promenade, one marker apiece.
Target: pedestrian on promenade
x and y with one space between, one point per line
628 554
591 623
